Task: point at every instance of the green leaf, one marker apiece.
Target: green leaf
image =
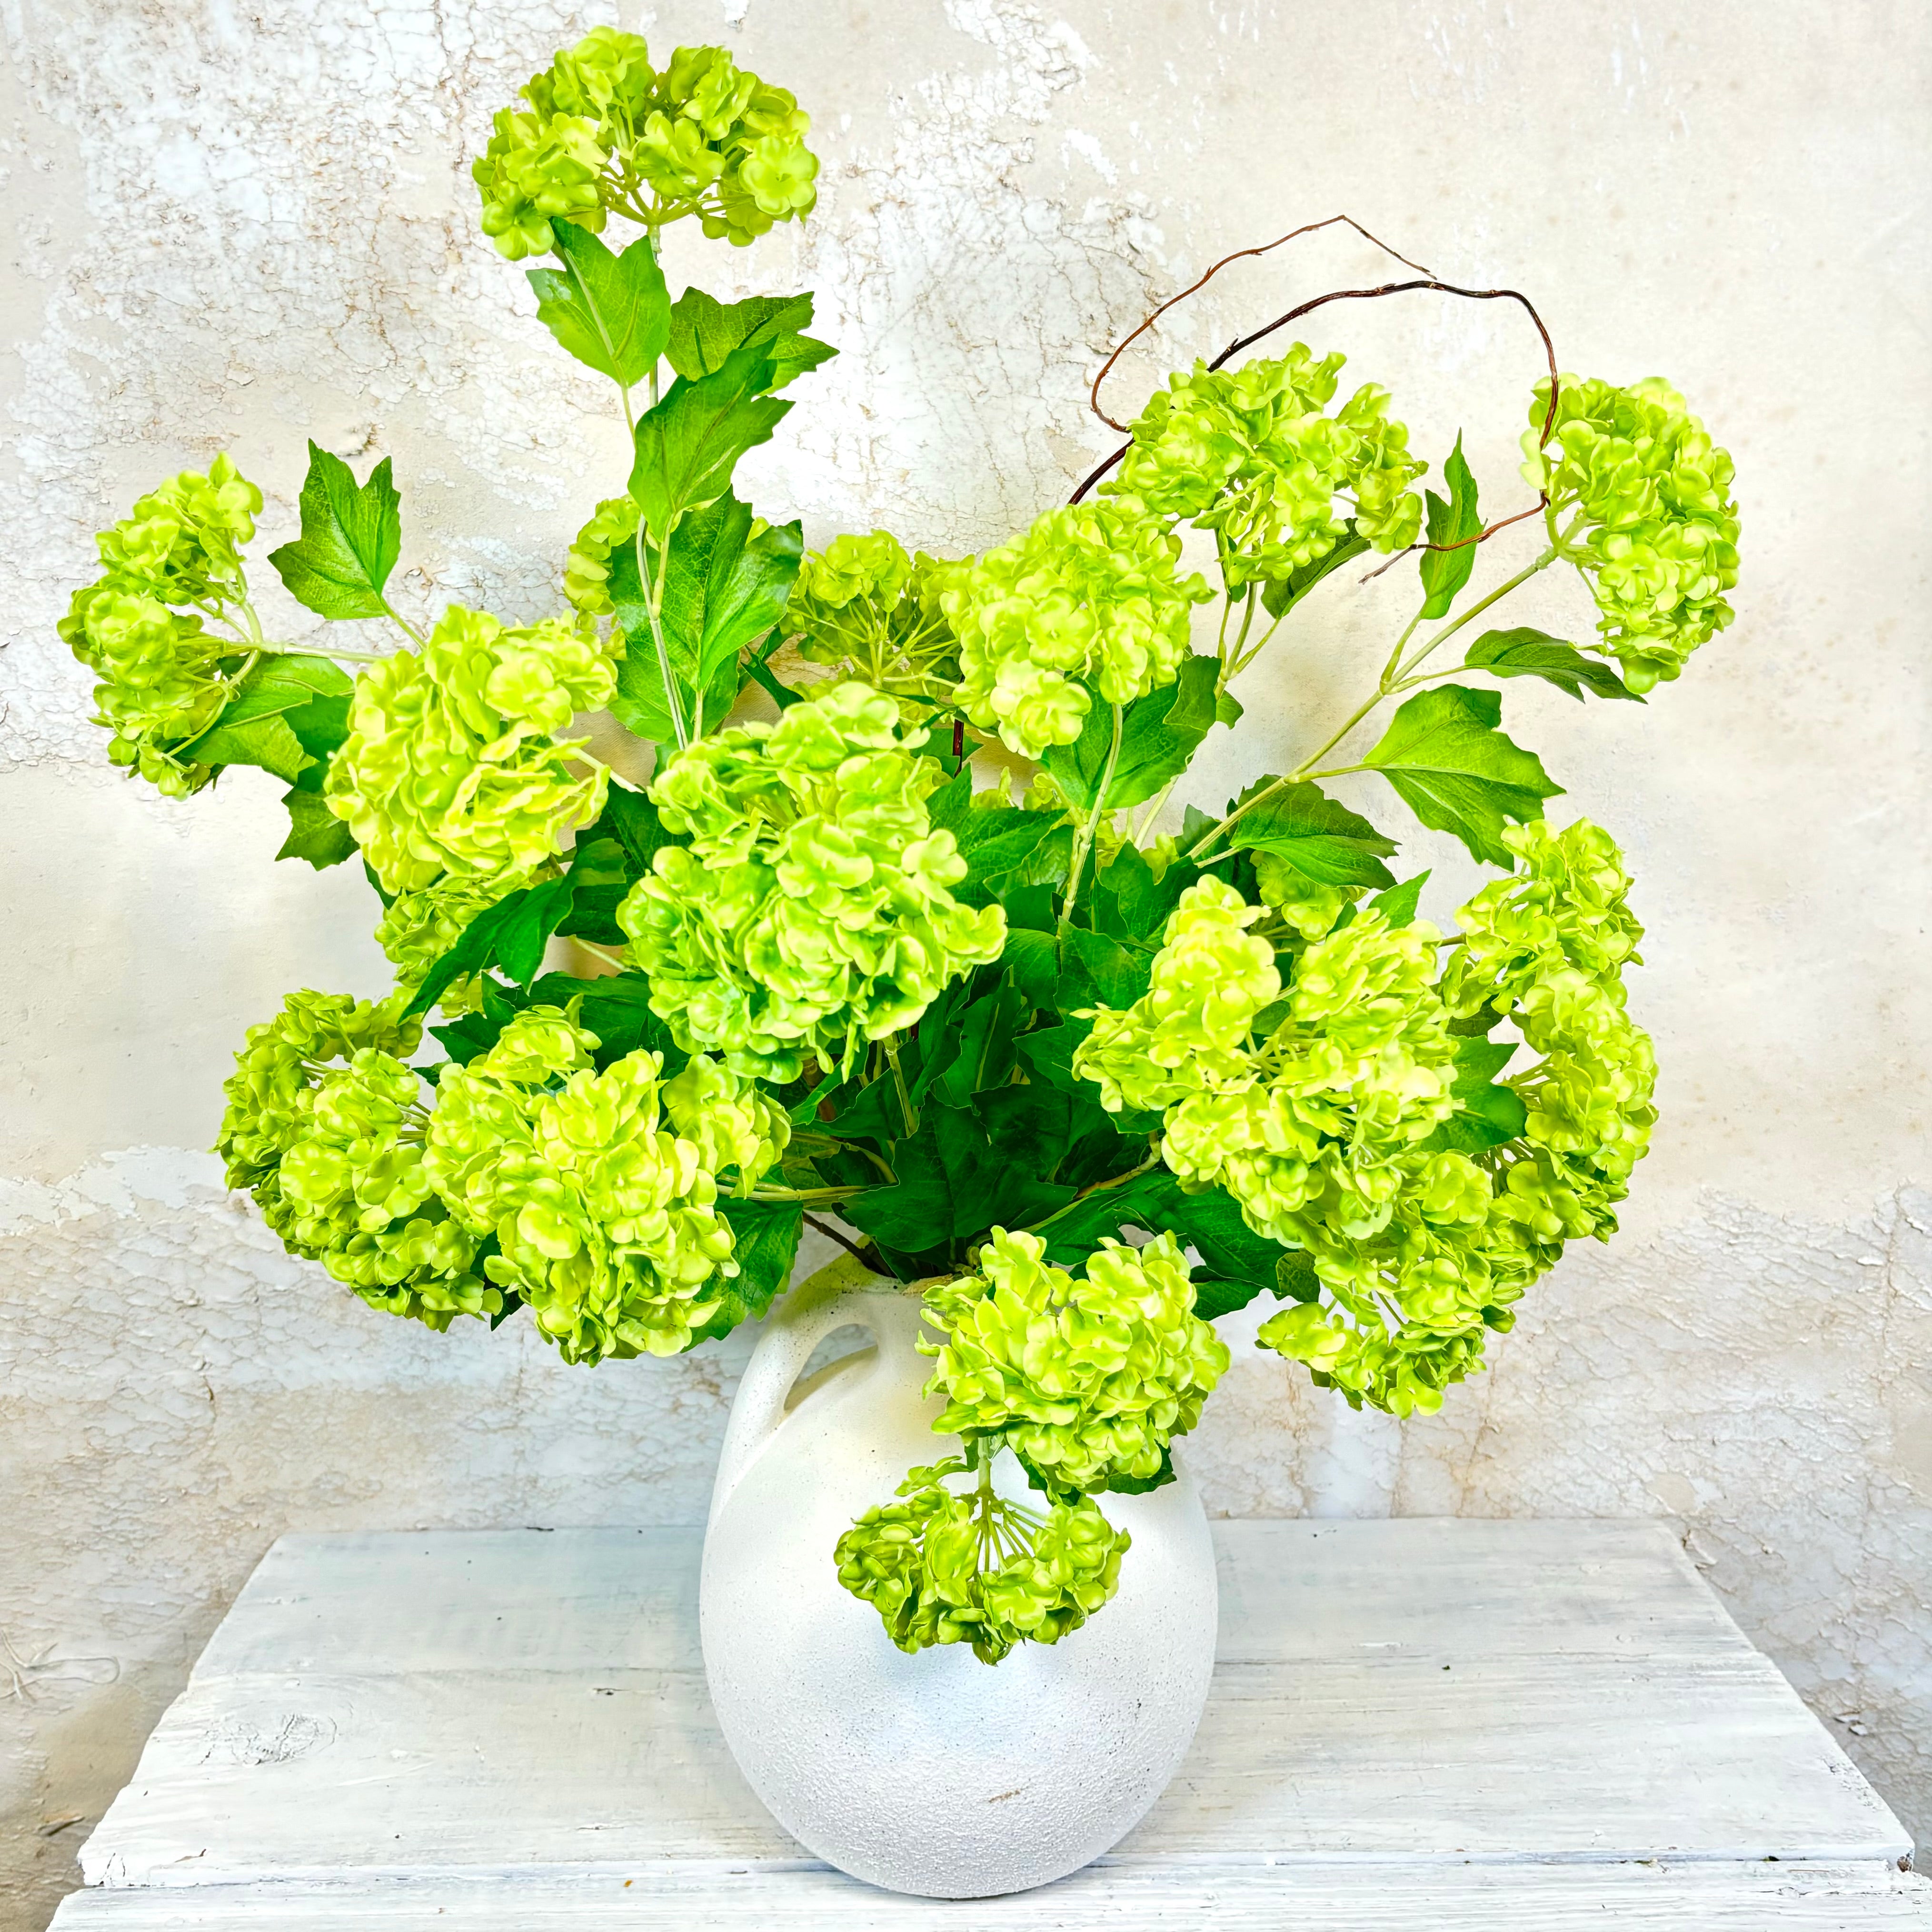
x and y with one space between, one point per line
315 832
267 741
1398 903
351 537
1003 845
985 1056
723 588
1130 903
952 1186
764 1243
688 444
1322 839
289 713
1486 1114
511 934
1033 959
1445 572
1159 733
1281 595
612 312
705 334
1457 773
1525 653
1097 971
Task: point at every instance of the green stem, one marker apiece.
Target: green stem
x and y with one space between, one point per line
402 623
1084 841
898 1081
1098 1187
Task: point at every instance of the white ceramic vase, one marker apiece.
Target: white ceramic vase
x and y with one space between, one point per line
932 1774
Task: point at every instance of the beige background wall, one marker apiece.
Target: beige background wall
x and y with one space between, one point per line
234 226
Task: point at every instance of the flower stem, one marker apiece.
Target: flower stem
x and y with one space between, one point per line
1084 840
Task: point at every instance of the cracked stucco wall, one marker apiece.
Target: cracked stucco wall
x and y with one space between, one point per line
239 227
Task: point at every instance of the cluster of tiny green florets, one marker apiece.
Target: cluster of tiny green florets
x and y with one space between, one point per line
1654 491
163 678
587 564
1090 592
971 1567
600 1189
325 1126
864 606
809 912
1088 1379
604 132
1249 454
1329 1126
454 764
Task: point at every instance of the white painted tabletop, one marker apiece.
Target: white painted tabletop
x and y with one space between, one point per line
1416 1724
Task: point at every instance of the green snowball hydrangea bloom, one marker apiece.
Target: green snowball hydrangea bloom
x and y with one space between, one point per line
1654 492
810 911
164 678
454 763
943 1566
864 606
1090 592
604 132
1335 1123
1249 454
333 1155
600 1189
587 565
1087 1378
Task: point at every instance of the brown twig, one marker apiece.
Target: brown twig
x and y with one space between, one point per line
831 1233
1235 348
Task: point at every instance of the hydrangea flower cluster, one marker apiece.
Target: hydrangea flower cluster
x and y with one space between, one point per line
454 764
334 1156
865 606
946 1566
600 1189
1249 454
162 682
604 132
1087 1378
1654 492
1331 1129
1092 592
587 565
809 912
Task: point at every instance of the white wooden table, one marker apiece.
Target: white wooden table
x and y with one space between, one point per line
1421 1725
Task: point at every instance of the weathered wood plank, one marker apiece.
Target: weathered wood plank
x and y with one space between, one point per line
1114 1897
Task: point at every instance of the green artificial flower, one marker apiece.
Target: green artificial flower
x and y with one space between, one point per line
165 680
863 605
587 569
1089 592
605 132
333 1155
454 764
973 1568
1087 1379
605 1217
810 912
1334 1117
1654 492
1249 454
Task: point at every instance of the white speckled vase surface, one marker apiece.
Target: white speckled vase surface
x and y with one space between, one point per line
934 1774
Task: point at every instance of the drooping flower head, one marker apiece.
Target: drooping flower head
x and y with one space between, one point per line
809 912
865 606
454 763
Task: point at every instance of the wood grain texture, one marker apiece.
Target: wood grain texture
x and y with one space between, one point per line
1395 1693
1113 1897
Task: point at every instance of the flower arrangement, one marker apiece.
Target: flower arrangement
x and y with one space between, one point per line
1084 1079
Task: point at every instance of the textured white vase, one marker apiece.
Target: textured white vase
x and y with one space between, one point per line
933 1773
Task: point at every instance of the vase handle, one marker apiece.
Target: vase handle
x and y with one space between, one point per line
823 1301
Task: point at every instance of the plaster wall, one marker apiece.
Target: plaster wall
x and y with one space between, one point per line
238 227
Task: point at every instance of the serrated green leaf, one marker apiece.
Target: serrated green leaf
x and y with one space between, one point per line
1097 971
511 934
705 333
1458 521
984 1056
1525 652
1159 734
612 312
688 443
267 741
1033 958
351 537
1321 837
315 833
764 1243
1130 903
724 587
1457 773
1281 595
288 715
639 703
1398 903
